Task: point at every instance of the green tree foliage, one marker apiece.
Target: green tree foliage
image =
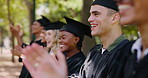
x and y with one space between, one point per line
59 8
18 15
130 31
53 9
3 16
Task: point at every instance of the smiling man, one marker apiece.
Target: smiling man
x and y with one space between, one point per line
134 61
104 19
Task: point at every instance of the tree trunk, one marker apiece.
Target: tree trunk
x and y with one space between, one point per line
88 43
31 9
10 22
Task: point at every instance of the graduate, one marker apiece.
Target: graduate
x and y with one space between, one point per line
71 39
52 35
134 60
104 20
37 28
51 31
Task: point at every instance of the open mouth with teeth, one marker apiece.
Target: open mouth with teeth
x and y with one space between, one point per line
124 7
62 46
125 4
93 25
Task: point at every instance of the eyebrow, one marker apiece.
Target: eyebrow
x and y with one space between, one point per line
95 12
64 35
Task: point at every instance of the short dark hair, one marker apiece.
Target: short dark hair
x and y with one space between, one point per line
111 12
79 44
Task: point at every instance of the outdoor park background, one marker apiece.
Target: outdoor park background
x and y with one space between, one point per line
24 12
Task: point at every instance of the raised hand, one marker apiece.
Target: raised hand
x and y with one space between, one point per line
43 65
17 51
15 31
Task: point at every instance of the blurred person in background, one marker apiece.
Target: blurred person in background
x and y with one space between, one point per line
37 27
134 61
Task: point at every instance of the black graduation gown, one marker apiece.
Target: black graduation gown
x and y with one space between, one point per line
136 69
141 68
74 63
38 42
98 65
126 65
24 72
118 68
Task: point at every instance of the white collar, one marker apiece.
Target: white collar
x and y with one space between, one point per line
137 47
103 49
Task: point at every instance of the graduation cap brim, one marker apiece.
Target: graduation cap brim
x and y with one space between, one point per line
76 28
54 25
43 21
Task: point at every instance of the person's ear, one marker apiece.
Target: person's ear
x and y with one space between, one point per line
77 40
115 18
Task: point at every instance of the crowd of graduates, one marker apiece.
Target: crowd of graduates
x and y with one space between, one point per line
57 50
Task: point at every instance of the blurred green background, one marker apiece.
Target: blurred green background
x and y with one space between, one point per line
24 12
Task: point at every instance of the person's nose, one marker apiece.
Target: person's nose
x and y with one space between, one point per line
91 18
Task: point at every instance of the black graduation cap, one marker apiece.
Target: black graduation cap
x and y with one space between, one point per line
77 28
112 4
54 25
43 21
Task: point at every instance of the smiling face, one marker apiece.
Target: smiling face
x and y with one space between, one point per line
133 11
50 38
127 12
99 20
67 41
36 28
